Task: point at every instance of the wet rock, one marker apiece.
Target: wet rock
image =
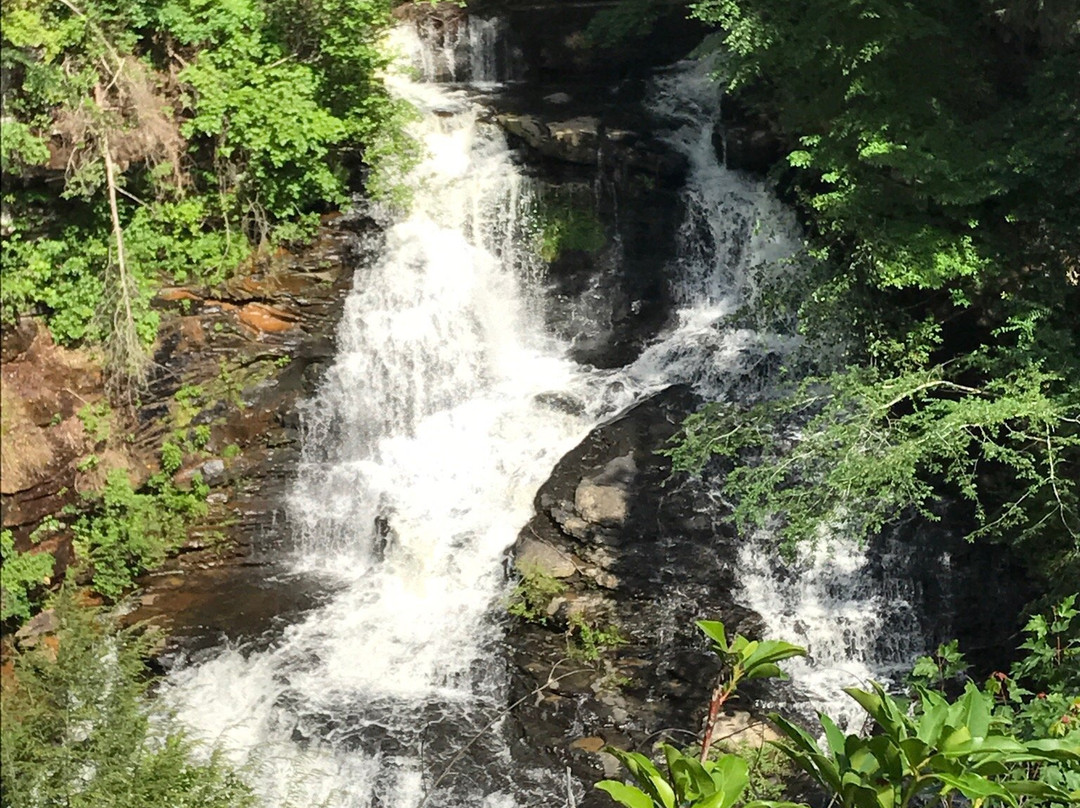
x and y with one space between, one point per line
740 727
213 471
532 554
603 505
266 319
529 128
591 744
575 141
42 623
648 566
749 149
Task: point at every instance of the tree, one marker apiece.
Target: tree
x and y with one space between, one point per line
932 147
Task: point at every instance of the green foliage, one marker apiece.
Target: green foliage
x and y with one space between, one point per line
200 436
1041 694
747 659
96 419
129 531
947 664
770 770
872 446
176 93
20 575
1053 647
708 782
20 147
79 730
979 746
172 457
567 223
183 241
940 748
532 595
941 206
624 23
587 640
687 782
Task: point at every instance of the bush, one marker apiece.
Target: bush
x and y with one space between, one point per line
20 575
130 532
79 731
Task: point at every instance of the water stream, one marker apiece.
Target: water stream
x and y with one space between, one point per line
423 451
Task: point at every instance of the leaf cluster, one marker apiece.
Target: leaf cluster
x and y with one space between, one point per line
128 532
79 730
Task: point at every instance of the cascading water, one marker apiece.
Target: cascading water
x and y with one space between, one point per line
423 452
854 625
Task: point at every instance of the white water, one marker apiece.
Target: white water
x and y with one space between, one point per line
430 419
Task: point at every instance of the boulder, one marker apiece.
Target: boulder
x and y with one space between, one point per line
528 128
575 141
532 554
604 505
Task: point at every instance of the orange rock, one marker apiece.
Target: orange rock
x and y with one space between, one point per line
266 319
591 744
172 293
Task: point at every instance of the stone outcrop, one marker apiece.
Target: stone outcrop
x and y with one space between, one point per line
233 363
638 551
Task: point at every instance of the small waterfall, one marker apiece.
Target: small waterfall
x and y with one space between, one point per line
427 443
461 49
832 600
856 617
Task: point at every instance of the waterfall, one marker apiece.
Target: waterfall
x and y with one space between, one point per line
422 453
425 446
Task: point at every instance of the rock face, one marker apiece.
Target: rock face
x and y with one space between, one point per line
599 159
253 351
634 551
231 365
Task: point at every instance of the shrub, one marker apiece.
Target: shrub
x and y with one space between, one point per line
79 731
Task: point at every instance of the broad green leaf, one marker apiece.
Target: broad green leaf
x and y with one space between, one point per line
995 745
764 670
935 711
974 787
687 774
958 738
715 631
795 733
731 776
647 776
626 795
977 707
833 734
1040 790
775 651
915 751
1065 749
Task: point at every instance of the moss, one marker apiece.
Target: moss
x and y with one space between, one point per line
568 221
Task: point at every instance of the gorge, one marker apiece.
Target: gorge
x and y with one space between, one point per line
455 390
460 359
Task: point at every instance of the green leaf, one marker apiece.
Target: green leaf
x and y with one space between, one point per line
833 735
687 774
974 787
771 651
715 631
647 776
625 795
731 776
